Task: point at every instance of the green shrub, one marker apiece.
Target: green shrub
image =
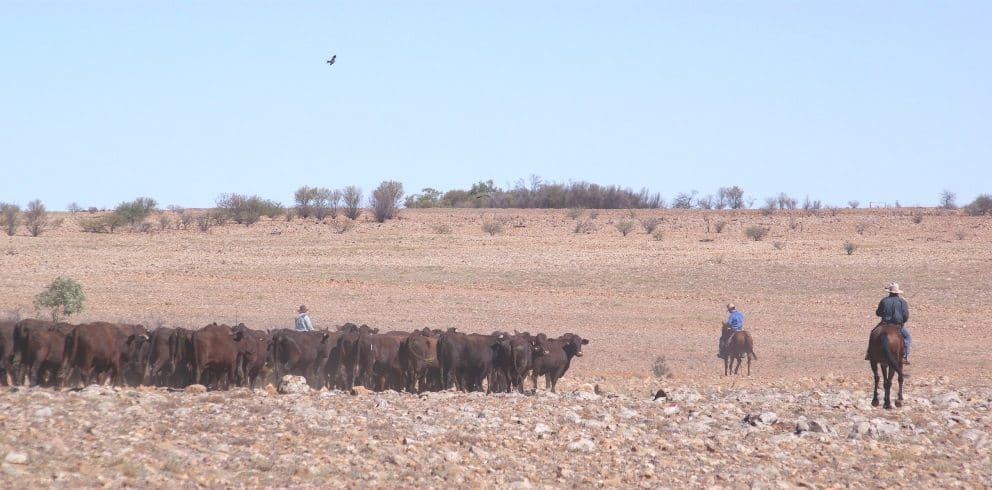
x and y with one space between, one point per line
64 296
136 211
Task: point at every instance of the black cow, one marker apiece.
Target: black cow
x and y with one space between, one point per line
302 354
158 363
559 356
7 351
419 361
215 355
466 360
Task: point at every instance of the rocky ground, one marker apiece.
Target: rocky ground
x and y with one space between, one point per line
808 433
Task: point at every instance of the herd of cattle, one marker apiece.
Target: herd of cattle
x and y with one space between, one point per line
219 356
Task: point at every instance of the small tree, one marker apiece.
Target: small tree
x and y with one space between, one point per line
980 206
64 296
135 211
947 199
650 224
850 247
8 217
73 208
36 217
352 197
854 203
732 197
385 200
492 226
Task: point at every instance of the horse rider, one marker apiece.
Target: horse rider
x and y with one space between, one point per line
894 309
736 323
303 323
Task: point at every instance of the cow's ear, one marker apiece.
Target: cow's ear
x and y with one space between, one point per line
130 339
585 341
238 335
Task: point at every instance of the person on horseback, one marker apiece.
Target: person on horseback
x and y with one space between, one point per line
894 309
736 323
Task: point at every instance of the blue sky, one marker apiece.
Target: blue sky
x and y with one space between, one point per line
103 102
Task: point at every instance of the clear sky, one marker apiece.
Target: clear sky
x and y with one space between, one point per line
103 102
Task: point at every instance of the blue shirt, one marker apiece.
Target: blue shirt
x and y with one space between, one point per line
736 320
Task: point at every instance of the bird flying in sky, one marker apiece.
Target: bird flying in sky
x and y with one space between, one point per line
331 61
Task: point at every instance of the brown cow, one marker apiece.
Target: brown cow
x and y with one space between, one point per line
7 351
466 360
101 351
302 354
158 362
348 348
215 355
559 357
43 346
419 362
379 361
253 354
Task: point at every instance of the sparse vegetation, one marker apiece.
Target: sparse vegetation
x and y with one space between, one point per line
961 235
624 226
982 205
73 208
63 296
719 226
385 200
660 368
574 213
9 217
584 226
442 229
352 198
756 233
917 218
853 204
850 247
947 200
649 224
35 217
492 226
247 210
136 211
342 226
658 234
779 245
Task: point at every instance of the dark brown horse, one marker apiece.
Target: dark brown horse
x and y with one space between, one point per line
886 347
739 345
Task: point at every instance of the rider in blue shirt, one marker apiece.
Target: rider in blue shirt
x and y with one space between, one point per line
736 323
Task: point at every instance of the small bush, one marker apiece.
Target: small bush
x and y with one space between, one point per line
136 211
625 226
778 245
204 223
441 229
164 222
185 219
385 200
574 213
247 210
584 226
719 226
650 224
35 217
352 197
342 226
96 224
850 247
980 206
961 235
853 204
64 296
9 217
73 208
756 233
492 226
860 228
658 234
917 218
660 368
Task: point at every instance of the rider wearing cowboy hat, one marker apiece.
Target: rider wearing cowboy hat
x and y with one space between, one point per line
736 323
894 309
303 323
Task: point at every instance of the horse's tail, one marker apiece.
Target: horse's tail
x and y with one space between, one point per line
889 356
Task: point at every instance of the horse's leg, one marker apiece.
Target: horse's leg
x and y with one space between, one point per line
899 400
887 380
726 365
749 364
874 370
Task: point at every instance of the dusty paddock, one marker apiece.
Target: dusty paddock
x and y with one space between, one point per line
808 303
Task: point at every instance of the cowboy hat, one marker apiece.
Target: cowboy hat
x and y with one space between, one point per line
303 309
894 288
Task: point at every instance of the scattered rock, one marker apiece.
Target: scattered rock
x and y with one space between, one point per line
196 389
951 399
16 458
672 410
541 428
293 385
582 445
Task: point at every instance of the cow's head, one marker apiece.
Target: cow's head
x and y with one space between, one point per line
540 345
573 344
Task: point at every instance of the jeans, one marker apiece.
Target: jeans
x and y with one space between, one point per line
907 338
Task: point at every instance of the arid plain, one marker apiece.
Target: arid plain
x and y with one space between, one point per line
808 303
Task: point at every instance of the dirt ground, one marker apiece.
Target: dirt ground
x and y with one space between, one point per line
808 304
